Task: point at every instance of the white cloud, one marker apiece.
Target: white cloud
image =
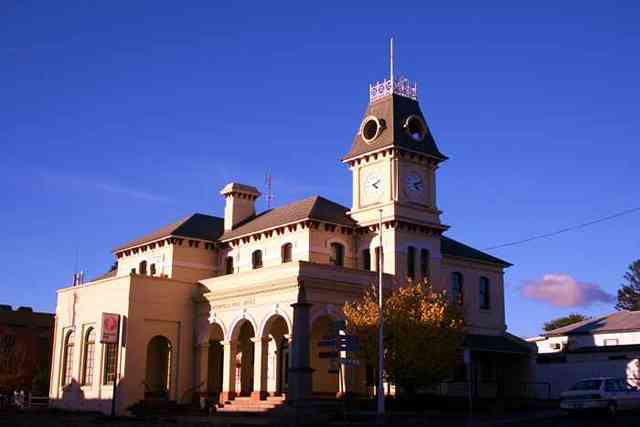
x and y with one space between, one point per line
109 187
136 194
562 290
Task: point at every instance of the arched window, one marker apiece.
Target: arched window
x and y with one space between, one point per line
152 269
457 292
485 293
228 265
366 259
89 357
337 254
256 259
285 252
411 262
424 263
142 268
67 361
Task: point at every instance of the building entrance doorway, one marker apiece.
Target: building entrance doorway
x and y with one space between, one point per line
158 368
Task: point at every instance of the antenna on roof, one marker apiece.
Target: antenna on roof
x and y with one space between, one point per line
269 183
78 276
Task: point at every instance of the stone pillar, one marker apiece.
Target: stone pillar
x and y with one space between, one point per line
229 391
260 353
202 366
300 384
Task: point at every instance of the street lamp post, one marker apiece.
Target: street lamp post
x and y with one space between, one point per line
380 393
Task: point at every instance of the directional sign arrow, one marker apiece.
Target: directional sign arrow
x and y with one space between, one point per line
348 339
348 347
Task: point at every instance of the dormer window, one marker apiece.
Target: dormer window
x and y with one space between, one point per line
256 259
371 128
415 127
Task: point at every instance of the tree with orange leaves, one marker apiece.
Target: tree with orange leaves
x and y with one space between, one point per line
423 334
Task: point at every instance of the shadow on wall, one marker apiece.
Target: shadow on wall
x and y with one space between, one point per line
73 398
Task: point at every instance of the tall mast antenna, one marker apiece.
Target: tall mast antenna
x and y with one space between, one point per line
269 183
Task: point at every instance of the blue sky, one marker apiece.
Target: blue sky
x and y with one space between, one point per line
119 117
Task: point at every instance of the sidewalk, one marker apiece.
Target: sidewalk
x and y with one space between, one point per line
438 419
362 419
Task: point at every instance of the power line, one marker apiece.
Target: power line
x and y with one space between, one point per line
567 229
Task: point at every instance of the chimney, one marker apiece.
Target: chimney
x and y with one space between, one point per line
240 203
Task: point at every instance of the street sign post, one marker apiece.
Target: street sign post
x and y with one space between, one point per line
110 334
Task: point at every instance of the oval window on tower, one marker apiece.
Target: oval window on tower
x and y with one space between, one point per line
415 127
371 128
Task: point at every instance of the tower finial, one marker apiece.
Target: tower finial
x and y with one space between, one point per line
391 61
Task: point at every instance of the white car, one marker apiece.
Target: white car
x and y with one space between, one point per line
605 393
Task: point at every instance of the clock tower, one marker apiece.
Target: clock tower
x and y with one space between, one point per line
393 159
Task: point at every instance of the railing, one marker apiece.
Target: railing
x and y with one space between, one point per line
387 87
39 402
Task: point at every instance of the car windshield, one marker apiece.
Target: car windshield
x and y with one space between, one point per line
587 385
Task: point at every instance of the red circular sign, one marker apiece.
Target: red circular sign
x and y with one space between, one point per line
110 324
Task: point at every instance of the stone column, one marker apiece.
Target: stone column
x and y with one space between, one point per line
202 366
300 384
229 391
260 353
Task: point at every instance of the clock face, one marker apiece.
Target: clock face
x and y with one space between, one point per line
373 185
414 183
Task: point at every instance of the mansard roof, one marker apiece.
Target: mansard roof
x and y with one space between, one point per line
195 226
454 248
211 228
315 208
394 110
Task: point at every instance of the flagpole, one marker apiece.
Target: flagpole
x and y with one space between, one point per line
391 61
380 391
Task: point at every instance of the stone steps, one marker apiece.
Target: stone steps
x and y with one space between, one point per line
246 404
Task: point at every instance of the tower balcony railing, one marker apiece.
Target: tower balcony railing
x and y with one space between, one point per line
402 87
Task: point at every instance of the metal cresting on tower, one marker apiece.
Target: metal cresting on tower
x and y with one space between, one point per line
390 86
